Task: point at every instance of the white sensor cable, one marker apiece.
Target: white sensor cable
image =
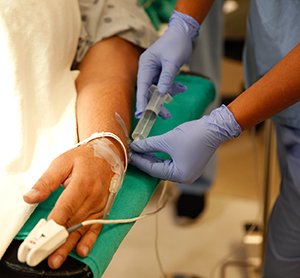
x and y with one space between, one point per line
118 221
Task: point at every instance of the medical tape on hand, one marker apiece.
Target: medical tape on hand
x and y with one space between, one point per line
102 149
98 135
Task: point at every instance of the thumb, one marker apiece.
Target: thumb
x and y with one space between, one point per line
150 144
52 178
154 166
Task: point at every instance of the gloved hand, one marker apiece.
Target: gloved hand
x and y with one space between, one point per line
160 63
190 146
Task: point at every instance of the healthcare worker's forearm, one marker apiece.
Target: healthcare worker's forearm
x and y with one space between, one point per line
277 90
105 86
197 9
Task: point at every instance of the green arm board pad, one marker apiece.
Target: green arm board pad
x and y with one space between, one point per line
138 187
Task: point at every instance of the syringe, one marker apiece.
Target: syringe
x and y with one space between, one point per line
147 120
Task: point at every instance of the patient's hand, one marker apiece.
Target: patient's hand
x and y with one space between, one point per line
86 179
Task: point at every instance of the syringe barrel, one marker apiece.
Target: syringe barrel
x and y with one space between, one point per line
156 101
147 120
144 125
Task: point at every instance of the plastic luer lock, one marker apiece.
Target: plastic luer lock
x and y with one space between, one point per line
147 120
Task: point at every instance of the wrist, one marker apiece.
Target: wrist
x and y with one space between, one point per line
227 125
186 23
118 149
116 142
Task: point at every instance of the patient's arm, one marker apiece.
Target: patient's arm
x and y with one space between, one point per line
105 86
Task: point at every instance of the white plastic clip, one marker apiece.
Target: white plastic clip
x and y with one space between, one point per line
42 241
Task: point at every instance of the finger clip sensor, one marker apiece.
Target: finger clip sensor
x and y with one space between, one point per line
42 241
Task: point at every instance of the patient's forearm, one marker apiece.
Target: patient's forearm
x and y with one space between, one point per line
277 90
105 86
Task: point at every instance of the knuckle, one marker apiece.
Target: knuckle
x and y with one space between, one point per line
45 184
95 230
81 232
88 187
67 209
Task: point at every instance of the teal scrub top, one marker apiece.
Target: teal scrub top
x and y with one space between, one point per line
273 30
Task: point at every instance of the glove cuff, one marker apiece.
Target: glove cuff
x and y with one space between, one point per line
226 122
185 22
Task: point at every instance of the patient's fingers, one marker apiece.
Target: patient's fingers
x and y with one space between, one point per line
88 240
88 233
57 258
58 171
67 205
85 195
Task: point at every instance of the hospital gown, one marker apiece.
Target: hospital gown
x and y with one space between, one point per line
105 18
273 29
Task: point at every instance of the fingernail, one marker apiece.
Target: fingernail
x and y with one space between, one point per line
31 193
57 261
85 250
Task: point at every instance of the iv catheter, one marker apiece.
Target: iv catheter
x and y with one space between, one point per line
147 120
115 185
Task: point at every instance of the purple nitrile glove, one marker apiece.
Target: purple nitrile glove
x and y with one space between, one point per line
160 63
190 145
